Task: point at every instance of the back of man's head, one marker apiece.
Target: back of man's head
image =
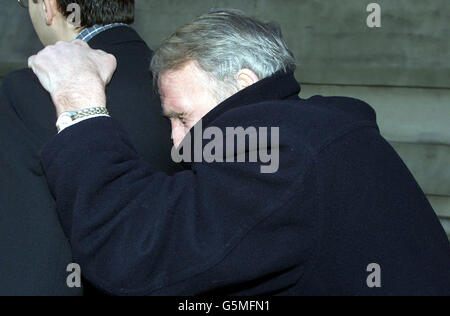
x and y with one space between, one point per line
100 12
62 20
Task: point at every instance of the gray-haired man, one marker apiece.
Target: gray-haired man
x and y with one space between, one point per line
340 201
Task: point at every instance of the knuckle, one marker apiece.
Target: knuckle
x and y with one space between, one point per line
112 58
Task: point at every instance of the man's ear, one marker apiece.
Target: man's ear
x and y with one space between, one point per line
246 78
50 8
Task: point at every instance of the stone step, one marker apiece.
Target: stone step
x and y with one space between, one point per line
446 224
441 205
429 164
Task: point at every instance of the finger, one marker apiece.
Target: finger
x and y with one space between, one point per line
35 67
107 65
31 61
39 72
113 64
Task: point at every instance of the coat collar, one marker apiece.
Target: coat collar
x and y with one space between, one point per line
281 86
116 35
90 32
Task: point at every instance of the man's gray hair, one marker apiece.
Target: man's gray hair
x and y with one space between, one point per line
223 42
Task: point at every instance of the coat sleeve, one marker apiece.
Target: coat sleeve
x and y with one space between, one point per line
135 231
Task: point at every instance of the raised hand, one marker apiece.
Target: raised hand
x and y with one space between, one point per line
74 74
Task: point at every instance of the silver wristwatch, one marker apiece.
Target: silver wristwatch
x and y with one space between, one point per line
67 119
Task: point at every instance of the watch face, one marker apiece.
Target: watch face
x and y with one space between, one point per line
64 120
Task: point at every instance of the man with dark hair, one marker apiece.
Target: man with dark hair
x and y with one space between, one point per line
34 253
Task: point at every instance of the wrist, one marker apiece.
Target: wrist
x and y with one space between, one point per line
79 99
67 119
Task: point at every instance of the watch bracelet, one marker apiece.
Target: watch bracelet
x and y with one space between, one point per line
88 112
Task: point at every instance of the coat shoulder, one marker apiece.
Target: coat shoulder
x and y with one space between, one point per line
20 84
18 78
309 123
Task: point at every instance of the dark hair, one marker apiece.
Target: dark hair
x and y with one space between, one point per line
101 12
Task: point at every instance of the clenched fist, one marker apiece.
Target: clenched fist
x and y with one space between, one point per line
74 74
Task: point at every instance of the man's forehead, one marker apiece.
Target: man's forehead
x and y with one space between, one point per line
183 74
173 74
172 82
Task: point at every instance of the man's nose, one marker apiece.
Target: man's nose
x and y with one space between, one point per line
178 133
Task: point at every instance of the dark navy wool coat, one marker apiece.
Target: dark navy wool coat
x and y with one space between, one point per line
341 200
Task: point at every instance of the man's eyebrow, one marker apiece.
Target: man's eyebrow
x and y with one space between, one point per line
172 114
